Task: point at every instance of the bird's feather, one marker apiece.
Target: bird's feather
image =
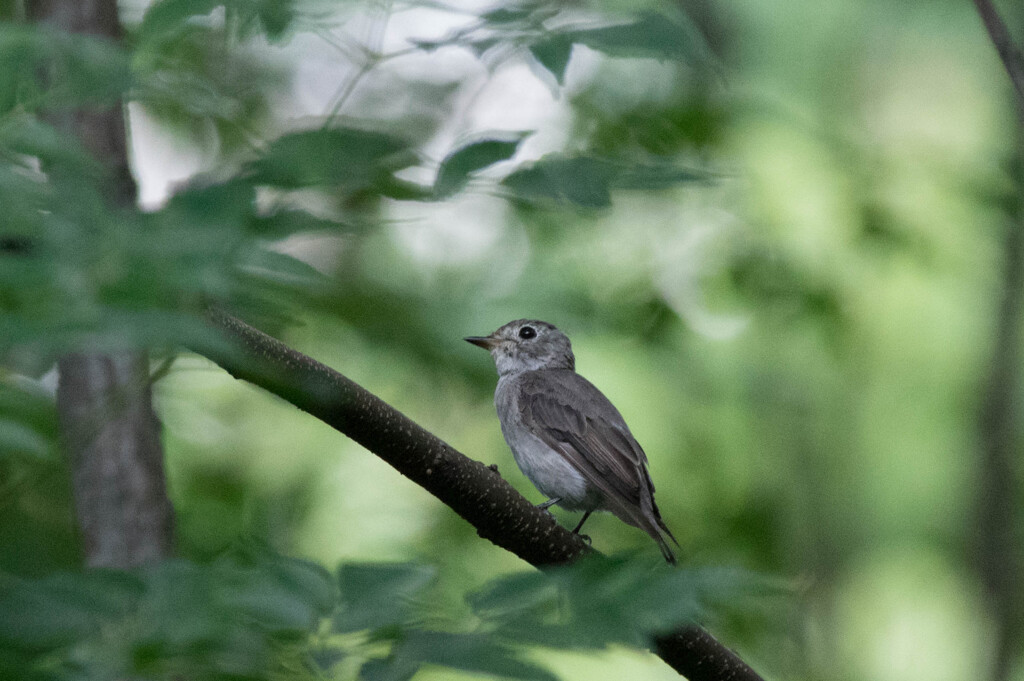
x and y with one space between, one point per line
578 422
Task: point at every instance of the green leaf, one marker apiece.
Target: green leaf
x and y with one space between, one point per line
508 14
504 597
553 54
28 403
586 181
279 594
285 222
348 158
270 604
69 69
376 595
225 205
652 35
389 669
92 70
655 176
276 16
308 580
37 616
170 16
29 136
479 653
281 269
324 659
18 56
581 180
460 164
17 439
201 75
602 600
402 190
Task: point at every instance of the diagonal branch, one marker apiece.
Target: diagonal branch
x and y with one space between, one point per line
471 489
1013 58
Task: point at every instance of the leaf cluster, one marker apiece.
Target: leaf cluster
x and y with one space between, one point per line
77 269
254 614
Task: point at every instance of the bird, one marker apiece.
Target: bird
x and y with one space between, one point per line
565 435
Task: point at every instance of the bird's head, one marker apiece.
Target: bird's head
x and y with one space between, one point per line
526 345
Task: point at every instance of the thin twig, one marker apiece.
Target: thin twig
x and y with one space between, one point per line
346 90
372 48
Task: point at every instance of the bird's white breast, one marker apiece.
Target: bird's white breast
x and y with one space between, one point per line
548 470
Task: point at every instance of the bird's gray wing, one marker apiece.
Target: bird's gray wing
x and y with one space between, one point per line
575 419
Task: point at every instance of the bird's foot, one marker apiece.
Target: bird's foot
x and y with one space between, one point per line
549 503
584 537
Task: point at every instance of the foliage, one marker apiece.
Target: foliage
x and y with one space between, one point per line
118 277
254 614
81 271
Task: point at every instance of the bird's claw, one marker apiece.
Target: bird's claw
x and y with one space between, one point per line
584 537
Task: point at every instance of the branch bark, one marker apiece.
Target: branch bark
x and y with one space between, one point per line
104 401
1009 53
474 491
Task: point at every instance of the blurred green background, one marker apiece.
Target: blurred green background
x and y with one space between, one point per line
787 274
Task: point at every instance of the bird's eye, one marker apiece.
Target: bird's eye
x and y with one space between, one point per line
527 332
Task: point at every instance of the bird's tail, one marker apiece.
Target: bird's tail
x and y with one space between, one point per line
658 530
646 516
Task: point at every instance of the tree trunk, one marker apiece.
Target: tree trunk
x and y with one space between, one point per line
113 441
998 557
998 554
105 403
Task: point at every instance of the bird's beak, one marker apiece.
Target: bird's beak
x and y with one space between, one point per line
485 342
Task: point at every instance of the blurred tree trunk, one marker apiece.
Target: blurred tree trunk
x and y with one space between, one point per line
998 557
104 401
113 440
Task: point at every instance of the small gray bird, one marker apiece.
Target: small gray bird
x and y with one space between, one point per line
565 435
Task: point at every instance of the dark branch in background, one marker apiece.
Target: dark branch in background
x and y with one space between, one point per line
1013 58
997 557
474 491
104 402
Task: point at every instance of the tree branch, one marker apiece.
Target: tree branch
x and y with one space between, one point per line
1011 55
471 489
474 491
